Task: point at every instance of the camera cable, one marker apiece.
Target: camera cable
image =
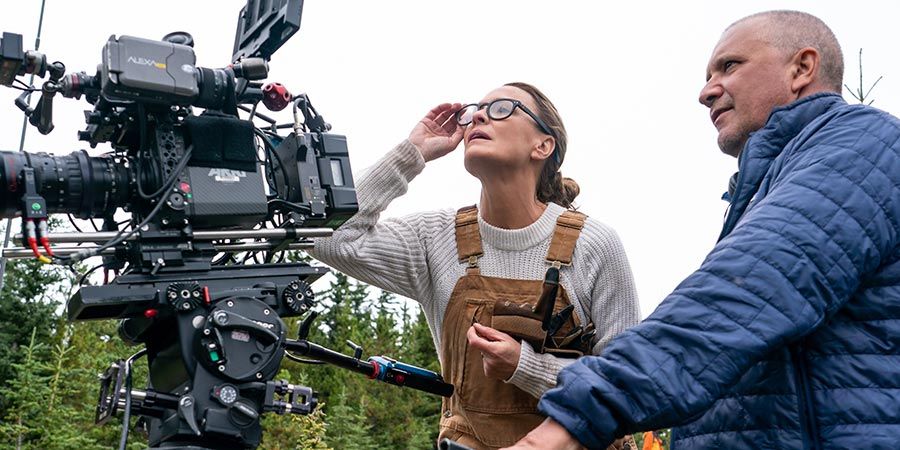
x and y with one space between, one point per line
123 235
270 151
126 416
168 185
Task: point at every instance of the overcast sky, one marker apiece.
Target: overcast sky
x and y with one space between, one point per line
624 75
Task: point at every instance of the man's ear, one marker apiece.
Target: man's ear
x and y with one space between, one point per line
545 148
804 69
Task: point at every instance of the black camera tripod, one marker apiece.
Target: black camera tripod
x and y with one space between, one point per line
214 342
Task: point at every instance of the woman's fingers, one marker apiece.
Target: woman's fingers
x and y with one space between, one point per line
490 333
443 117
499 351
477 341
446 118
437 133
437 110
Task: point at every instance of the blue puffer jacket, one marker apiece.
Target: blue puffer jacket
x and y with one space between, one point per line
788 336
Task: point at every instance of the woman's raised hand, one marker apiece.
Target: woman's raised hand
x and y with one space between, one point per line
437 133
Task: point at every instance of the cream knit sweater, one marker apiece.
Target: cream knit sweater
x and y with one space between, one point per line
415 256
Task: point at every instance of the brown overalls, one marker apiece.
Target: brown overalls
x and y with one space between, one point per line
486 413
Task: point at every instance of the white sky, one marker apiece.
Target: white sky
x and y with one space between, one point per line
624 75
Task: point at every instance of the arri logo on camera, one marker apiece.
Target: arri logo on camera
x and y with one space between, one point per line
226 175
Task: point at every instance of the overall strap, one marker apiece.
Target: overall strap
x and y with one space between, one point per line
562 245
468 238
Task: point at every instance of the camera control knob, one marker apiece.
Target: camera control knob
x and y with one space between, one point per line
298 296
226 394
184 297
276 97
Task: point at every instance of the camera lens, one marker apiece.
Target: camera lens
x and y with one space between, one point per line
78 184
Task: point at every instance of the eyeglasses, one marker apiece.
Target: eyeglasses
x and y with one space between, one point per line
501 109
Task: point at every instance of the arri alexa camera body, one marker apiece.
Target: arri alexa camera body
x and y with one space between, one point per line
213 202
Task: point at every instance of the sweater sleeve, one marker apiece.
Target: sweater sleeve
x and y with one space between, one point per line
536 372
793 259
614 301
390 253
613 306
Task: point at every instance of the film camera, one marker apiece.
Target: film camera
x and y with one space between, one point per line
206 195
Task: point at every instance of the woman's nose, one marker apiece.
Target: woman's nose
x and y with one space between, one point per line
480 116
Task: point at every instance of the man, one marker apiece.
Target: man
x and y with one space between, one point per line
788 336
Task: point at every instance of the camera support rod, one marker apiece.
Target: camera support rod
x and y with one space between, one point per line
16 252
265 233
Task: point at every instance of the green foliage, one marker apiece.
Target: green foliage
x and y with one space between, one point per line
294 432
37 416
23 395
26 306
348 426
393 417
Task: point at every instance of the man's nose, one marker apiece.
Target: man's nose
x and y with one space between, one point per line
710 92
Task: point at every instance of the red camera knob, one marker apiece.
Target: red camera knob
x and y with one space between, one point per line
275 96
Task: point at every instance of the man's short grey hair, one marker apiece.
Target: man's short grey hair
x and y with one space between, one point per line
791 31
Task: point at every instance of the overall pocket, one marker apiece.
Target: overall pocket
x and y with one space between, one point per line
477 392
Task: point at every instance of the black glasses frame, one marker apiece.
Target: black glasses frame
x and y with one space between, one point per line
516 104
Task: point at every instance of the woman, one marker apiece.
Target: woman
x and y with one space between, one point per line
479 269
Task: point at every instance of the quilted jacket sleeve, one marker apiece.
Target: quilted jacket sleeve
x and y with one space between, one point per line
829 218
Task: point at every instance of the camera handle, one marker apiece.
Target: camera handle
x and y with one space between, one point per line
42 114
379 368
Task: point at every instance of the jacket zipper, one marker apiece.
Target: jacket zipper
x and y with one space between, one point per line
729 219
808 428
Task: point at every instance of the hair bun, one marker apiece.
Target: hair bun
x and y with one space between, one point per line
570 190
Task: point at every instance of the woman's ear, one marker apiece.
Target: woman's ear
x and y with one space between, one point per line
544 148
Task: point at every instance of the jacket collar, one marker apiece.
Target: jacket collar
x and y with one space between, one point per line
784 124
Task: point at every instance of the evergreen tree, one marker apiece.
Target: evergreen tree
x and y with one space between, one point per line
348 427
26 395
418 349
418 345
64 422
27 306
